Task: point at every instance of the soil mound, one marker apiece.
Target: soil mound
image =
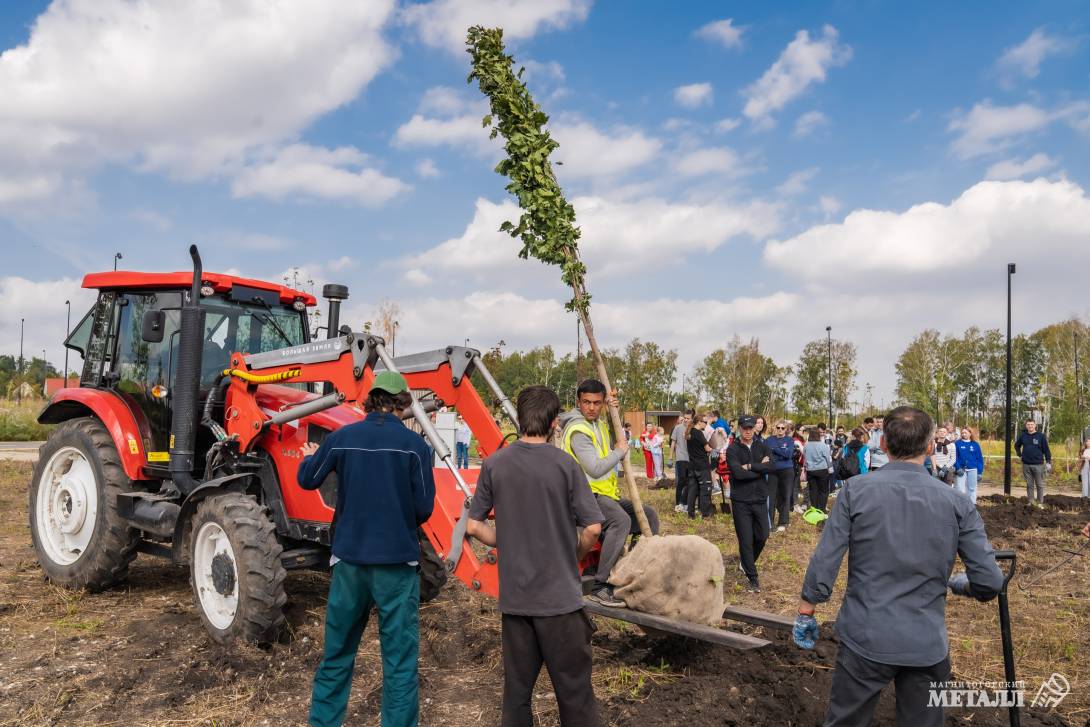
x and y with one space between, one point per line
777 685
1004 516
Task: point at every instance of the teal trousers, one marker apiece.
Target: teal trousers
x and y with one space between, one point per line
395 591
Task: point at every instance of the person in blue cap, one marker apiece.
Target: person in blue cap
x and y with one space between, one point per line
385 492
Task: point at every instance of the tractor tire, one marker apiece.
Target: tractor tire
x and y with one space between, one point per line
433 571
235 569
80 539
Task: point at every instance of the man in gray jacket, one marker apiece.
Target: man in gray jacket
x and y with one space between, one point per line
586 437
902 529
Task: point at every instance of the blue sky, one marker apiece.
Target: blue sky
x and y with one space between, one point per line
761 171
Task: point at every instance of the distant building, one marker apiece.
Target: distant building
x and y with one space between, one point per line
55 384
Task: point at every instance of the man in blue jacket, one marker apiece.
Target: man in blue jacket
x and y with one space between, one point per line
1032 447
385 492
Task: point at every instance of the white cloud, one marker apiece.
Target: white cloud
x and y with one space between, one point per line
550 71
990 221
188 88
693 95
987 128
648 230
1025 58
587 152
829 205
416 276
17 189
447 117
801 63
443 23
726 125
426 168
808 123
714 160
304 171
151 218
1015 169
447 101
41 304
797 182
724 32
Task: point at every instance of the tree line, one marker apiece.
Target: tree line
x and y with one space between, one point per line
960 378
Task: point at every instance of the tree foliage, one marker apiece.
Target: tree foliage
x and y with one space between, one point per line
810 394
740 379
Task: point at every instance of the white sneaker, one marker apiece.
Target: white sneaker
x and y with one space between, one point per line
798 509
717 491
680 508
781 529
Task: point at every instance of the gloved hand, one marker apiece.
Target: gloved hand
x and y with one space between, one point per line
959 472
959 585
1048 467
805 633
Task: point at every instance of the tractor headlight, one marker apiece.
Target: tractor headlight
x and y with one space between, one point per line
299 304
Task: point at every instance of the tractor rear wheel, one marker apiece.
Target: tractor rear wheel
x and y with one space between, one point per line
235 569
80 539
433 571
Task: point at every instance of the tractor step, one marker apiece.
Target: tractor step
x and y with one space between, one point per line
678 628
298 558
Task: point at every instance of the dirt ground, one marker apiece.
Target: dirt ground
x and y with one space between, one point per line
137 655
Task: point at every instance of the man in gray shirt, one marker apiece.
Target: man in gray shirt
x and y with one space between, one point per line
681 459
902 530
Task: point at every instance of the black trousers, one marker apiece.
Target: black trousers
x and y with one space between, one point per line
781 483
652 517
751 523
858 682
818 485
700 487
681 468
562 643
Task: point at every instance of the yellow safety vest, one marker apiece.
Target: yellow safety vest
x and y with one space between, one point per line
606 484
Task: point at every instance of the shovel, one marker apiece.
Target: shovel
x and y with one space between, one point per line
1005 630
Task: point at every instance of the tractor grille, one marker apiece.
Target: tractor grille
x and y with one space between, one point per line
328 488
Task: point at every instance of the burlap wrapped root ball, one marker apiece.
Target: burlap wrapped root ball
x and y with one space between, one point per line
676 576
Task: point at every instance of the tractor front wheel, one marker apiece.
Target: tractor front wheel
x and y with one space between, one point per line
235 569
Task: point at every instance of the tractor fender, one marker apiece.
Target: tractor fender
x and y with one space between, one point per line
108 408
227 483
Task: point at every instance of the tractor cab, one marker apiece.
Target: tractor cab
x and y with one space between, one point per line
129 339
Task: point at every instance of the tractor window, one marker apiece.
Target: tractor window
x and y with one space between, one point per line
80 337
233 326
141 365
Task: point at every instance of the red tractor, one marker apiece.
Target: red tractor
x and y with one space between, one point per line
183 441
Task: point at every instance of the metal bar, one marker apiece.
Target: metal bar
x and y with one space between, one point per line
430 433
680 628
759 618
305 409
494 385
1005 631
1007 432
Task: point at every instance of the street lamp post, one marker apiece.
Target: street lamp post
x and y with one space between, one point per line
1078 389
829 339
67 333
393 339
1007 433
22 322
117 256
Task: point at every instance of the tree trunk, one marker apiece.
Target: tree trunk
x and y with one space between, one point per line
614 415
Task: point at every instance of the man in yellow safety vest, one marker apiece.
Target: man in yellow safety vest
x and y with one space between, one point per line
586 437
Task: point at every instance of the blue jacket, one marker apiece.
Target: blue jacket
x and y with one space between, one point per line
783 452
1033 448
385 489
969 456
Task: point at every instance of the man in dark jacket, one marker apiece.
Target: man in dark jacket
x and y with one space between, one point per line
902 530
385 492
748 460
1032 447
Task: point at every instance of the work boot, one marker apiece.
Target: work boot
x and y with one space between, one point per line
604 595
753 586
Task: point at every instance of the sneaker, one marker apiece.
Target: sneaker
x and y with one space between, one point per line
717 490
798 509
741 569
679 508
753 586
604 595
781 529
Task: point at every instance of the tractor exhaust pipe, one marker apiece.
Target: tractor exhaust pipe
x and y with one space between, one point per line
334 293
187 382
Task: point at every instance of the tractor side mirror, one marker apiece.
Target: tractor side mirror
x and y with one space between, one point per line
152 326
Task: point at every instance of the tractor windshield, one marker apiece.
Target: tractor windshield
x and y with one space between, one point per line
248 327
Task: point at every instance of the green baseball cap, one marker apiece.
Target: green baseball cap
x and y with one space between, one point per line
390 381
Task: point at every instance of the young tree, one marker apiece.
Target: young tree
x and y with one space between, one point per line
810 394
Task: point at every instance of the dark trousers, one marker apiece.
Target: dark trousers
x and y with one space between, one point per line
615 531
562 643
353 590
818 485
700 487
781 483
751 525
858 681
681 481
652 517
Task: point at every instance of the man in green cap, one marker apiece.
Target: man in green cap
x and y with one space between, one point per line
385 492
